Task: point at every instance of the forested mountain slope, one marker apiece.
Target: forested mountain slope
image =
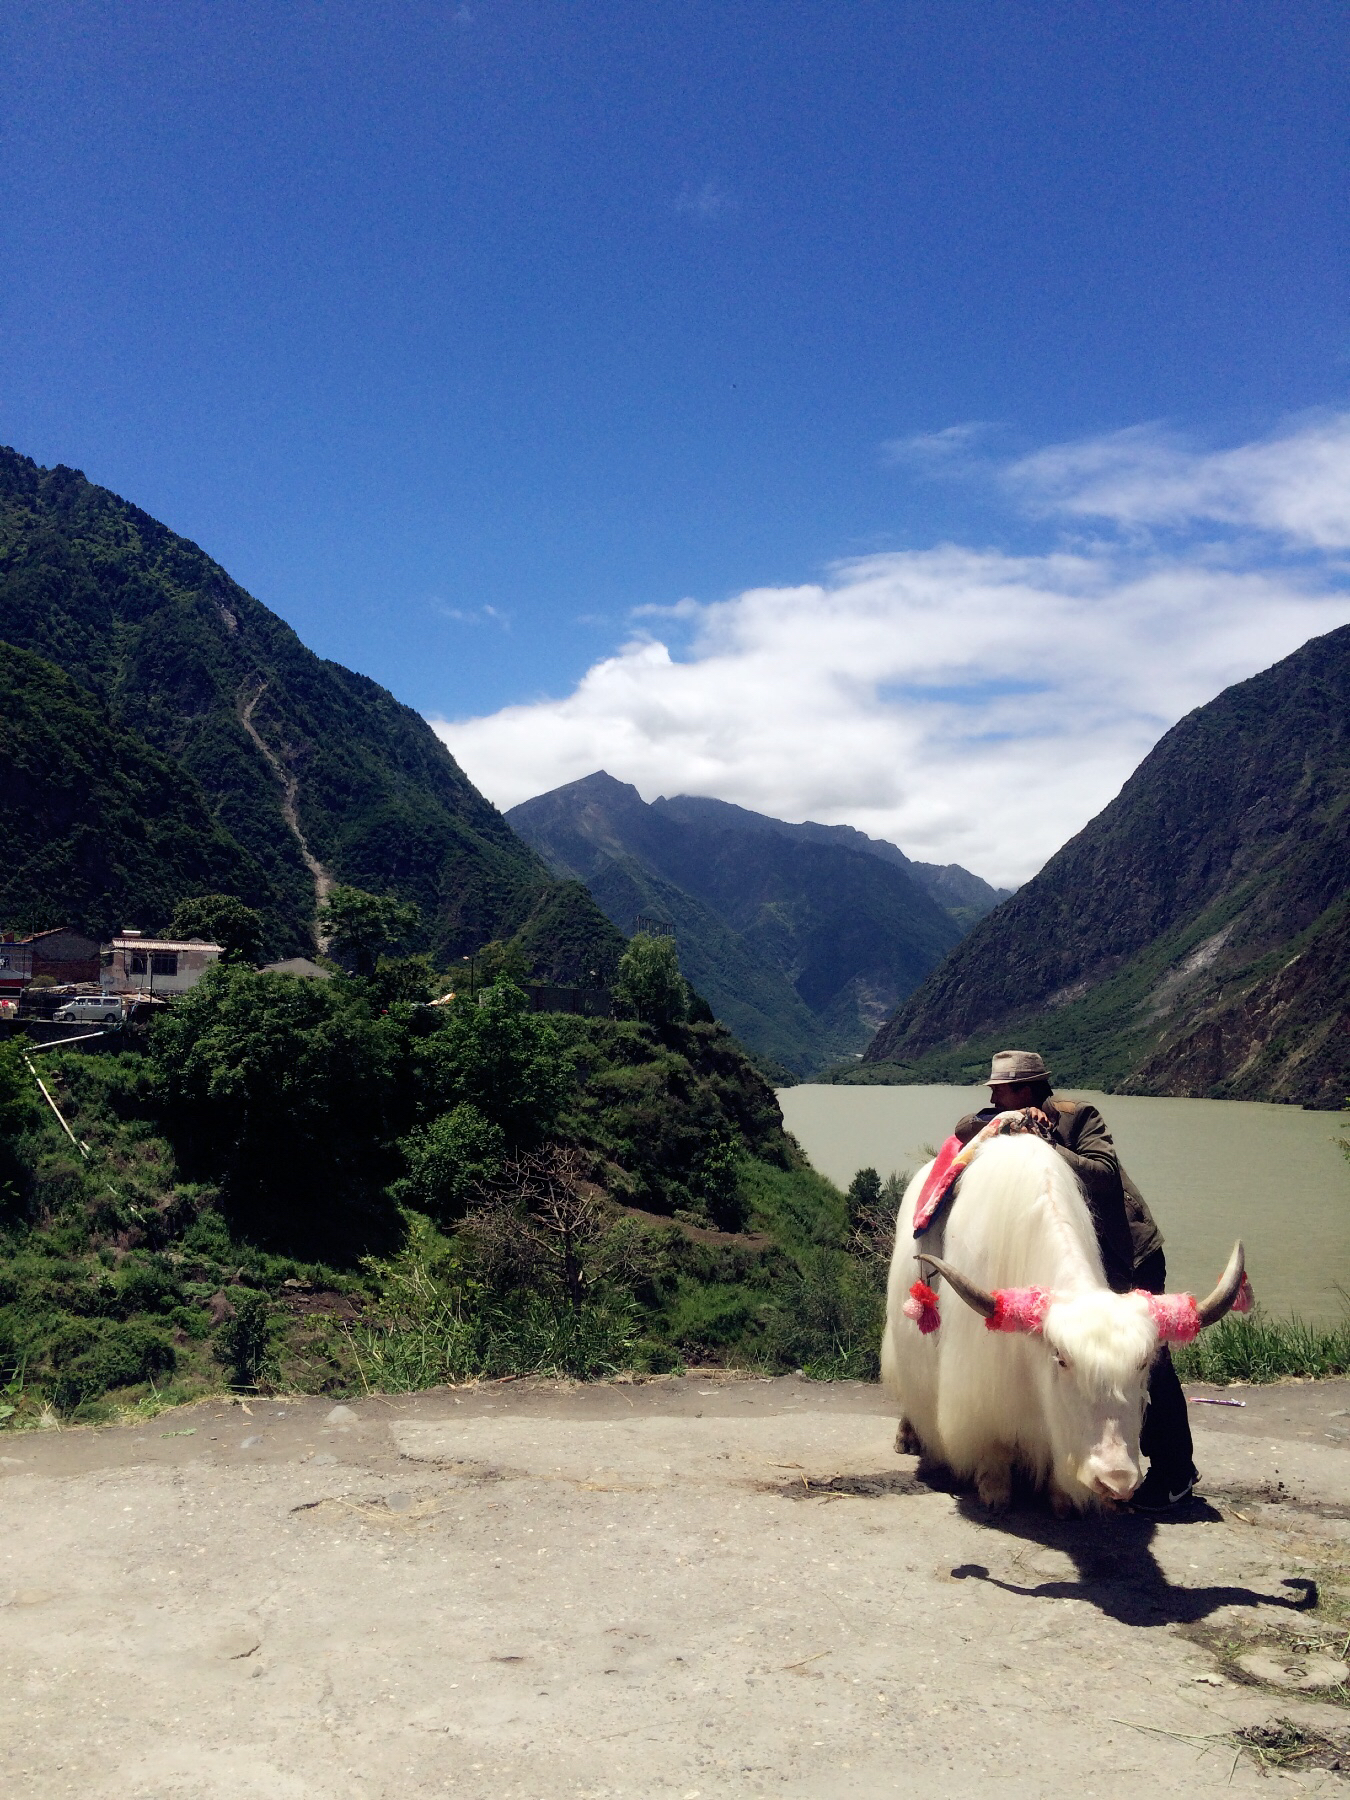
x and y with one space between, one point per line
965 896
98 828
1194 938
800 942
295 757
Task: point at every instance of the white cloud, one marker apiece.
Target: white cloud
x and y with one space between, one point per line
972 706
935 449
707 202
1295 486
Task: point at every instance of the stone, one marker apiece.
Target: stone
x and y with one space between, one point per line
340 1415
398 1502
250 1443
1306 1673
325 1459
233 1646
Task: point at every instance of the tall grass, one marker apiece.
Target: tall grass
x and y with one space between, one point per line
433 1326
1255 1349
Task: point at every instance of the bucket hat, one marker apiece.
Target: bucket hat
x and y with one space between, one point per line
1016 1066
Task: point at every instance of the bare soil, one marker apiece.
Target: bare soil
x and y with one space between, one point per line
694 1586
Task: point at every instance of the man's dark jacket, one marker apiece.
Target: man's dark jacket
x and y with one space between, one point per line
1126 1232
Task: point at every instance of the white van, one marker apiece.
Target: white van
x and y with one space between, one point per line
90 1009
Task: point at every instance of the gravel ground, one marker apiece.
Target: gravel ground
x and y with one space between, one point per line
687 1587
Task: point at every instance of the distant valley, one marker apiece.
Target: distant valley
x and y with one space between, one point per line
801 937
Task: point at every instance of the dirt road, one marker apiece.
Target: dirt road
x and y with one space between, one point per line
689 1587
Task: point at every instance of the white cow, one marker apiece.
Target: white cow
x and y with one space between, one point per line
1036 1363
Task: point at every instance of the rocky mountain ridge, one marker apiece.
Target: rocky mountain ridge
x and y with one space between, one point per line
1193 938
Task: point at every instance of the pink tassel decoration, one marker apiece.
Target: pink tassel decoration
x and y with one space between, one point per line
1246 1299
922 1307
1176 1316
1018 1309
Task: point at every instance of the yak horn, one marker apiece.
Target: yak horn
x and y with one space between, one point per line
1230 1285
974 1296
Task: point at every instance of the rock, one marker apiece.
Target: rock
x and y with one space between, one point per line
324 1459
250 1443
398 1502
233 1646
11 1462
341 1415
219 1308
1307 1673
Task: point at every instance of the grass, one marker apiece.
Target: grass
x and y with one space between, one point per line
1258 1349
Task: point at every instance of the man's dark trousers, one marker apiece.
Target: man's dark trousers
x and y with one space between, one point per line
1166 1437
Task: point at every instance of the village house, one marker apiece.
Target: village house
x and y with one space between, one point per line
63 955
135 964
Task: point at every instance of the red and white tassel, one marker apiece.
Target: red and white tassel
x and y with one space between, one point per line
922 1307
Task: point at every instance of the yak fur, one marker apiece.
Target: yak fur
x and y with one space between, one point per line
1065 1405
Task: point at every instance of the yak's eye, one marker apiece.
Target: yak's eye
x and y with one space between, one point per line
1061 1360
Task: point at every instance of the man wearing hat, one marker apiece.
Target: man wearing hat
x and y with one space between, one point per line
1129 1240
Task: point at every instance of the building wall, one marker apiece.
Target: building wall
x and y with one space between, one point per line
156 966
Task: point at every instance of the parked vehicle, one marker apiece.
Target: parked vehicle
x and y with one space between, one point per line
90 1009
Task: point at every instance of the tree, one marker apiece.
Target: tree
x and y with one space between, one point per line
221 919
282 1090
493 1053
449 1161
359 926
650 983
864 1194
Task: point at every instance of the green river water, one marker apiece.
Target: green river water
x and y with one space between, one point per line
1211 1170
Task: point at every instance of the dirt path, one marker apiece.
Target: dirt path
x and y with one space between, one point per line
290 792
691 1587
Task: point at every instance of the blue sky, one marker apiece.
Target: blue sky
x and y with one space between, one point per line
467 335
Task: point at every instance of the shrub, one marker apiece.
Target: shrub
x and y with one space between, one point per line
449 1160
245 1342
92 1356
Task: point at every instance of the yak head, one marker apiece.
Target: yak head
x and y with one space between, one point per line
1099 1348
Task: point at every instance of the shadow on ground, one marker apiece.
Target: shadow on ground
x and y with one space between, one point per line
1117 1570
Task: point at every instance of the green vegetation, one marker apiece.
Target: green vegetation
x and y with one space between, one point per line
649 982
100 830
300 1186
221 919
360 927
1255 1348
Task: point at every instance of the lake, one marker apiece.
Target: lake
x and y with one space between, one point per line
1211 1170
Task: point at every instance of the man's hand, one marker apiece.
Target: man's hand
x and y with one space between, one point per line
1013 1124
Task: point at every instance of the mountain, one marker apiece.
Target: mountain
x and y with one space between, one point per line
313 773
801 937
92 814
965 896
1195 937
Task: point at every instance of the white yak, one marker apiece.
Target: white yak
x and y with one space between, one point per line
1036 1363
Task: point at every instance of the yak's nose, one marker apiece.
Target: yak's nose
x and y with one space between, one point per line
1111 1471
1114 1484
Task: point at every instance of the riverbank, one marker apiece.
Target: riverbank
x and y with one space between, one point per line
689 1586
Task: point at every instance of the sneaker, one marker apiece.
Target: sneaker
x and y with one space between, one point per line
1159 1493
